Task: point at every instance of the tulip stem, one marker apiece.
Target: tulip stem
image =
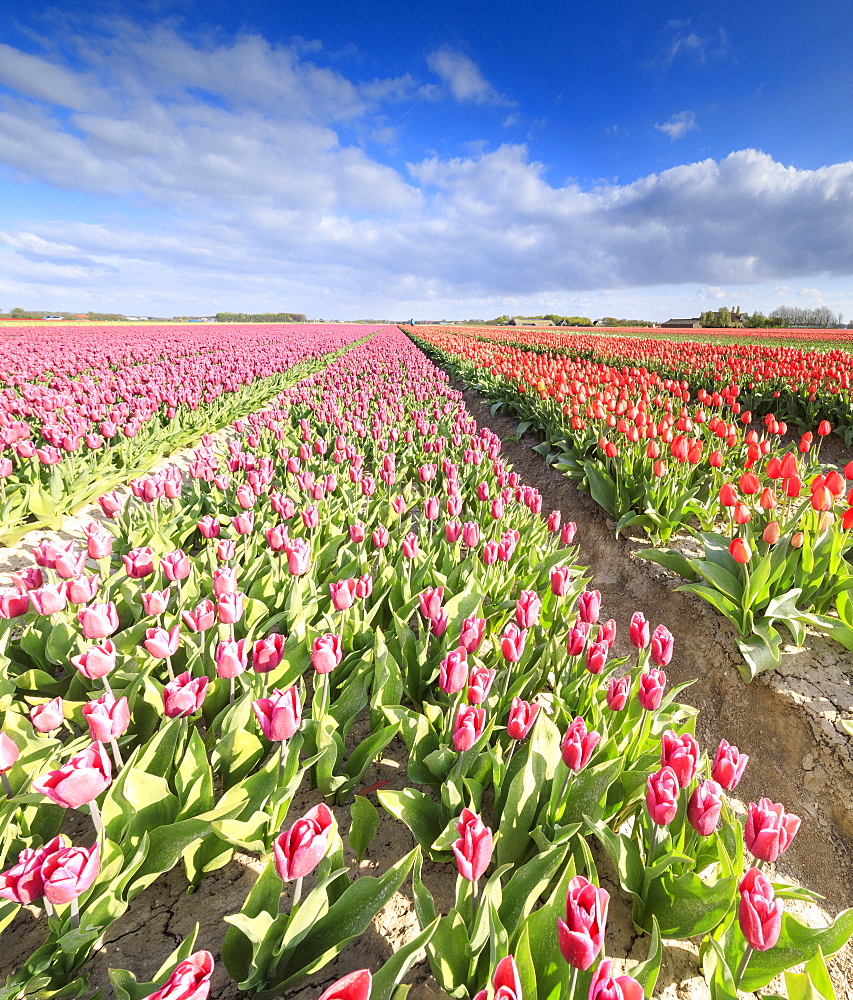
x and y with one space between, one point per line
116 753
574 983
741 969
282 755
641 733
297 892
169 668
95 813
473 905
75 913
7 788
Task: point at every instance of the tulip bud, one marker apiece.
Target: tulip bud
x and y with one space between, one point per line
589 605
681 753
189 981
662 644
638 630
581 934
48 716
578 744
704 806
513 641
79 781
474 848
759 913
279 715
468 727
453 671
662 790
299 850
522 715
326 653
617 693
267 653
184 695
769 829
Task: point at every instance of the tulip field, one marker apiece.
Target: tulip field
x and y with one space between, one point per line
348 571
694 437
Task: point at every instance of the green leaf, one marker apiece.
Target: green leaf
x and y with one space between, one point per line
797 944
686 906
395 968
646 973
602 489
813 983
449 953
419 811
365 823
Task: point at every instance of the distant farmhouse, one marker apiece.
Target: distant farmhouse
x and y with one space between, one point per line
683 324
521 321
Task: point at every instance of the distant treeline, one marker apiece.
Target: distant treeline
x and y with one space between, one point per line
261 317
574 321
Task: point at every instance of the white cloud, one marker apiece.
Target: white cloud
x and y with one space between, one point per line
462 77
679 124
230 178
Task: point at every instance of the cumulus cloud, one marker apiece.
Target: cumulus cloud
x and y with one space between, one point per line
678 125
462 77
231 178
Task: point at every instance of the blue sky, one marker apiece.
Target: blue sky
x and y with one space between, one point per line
353 159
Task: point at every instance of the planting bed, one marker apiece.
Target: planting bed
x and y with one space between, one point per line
788 720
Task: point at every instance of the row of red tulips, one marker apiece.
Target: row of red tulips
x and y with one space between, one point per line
774 524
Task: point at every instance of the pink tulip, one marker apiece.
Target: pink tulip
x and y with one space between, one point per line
729 764
681 753
429 601
162 644
410 545
561 578
79 781
48 716
139 563
107 718
506 982
184 695
473 850
638 630
581 934
229 608
82 589
468 727
99 542
69 872
299 850
704 807
522 715
176 565
662 790
24 882
224 581
326 653
209 527
355 986
471 633
589 605
98 620
364 586
759 913
651 688
617 693
9 753
49 599
298 556
513 640
189 981
769 829
661 646
527 608
578 744
480 682
280 715
453 671
380 537
201 618
577 638
230 658
606 632
607 987
438 625
155 602
596 657
267 653
14 602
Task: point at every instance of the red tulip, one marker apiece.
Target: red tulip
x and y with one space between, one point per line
527 608
471 633
617 693
506 982
9 753
661 647
589 605
638 630
176 565
355 986
513 641
24 883
728 766
651 688
267 653
681 753
343 594
231 656
453 671
430 600
561 577
480 682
